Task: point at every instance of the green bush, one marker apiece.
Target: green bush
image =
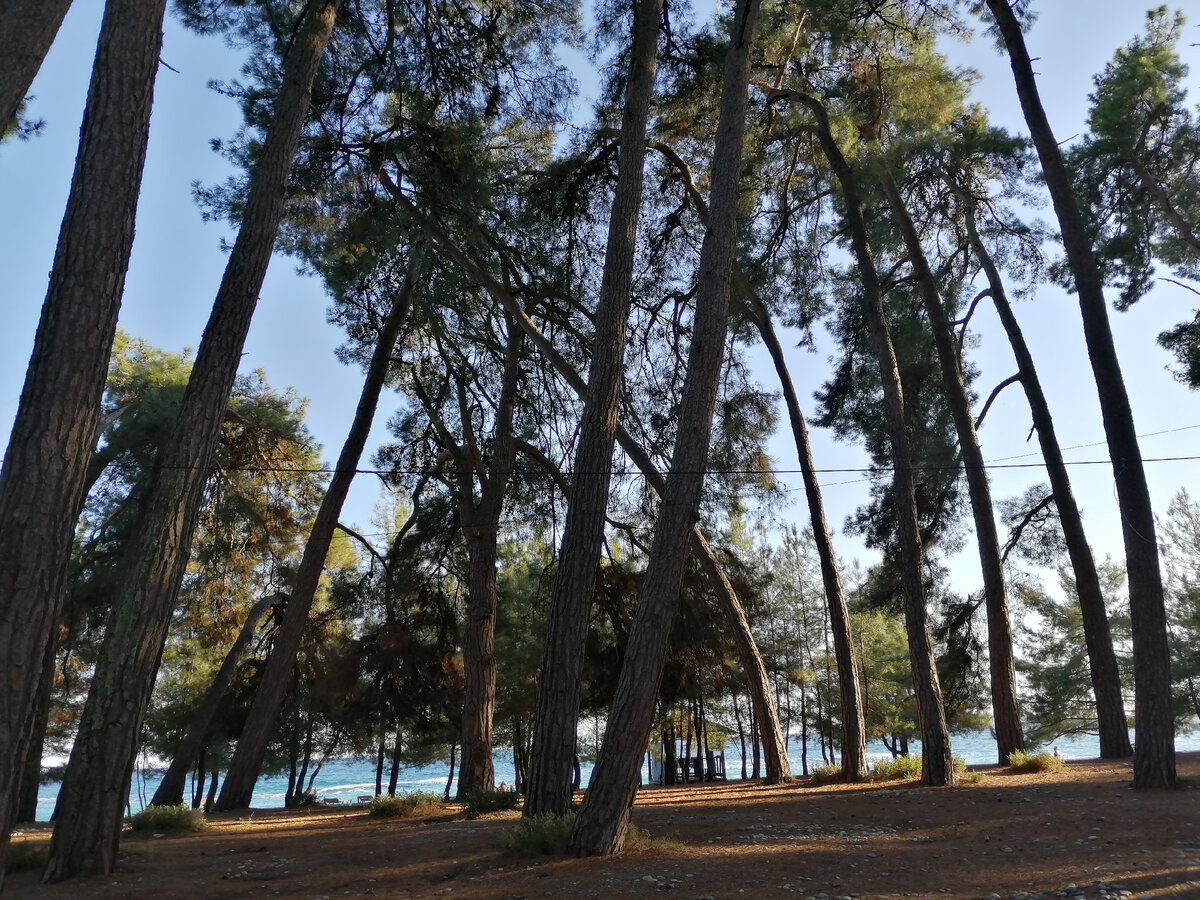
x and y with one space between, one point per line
418 803
825 775
1020 761
25 855
490 801
543 835
896 769
167 819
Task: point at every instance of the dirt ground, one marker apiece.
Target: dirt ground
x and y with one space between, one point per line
1079 833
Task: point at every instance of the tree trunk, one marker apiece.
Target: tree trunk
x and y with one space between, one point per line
27 29
936 761
268 700
557 714
170 789
44 467
854 729
1105 675
97 781
31 776
1006 716
603 820
1154 748
475 770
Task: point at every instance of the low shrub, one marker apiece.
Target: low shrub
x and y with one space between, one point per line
544 835
897 769
167 820
25 855
478 802
417 803
1020 761
825 775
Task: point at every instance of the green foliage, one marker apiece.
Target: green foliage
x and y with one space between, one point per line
825 775
1020 761
179 819
24 856
478 802
898 769
417 803
544 835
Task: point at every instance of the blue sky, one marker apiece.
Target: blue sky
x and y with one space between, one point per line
177 264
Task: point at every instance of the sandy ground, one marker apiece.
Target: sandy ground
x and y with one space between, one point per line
1079 833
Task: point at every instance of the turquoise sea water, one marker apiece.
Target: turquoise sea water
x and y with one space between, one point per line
347 779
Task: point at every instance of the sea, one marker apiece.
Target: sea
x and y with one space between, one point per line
348 779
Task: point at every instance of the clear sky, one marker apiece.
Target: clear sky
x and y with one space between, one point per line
177 264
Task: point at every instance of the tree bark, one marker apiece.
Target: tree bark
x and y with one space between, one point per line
548 789
27 29
936 762
174 780
1006 716
247 760
603 820
96 785
1154 748
42 477
1102 659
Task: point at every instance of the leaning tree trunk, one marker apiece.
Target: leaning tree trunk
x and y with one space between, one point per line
42 477
27 29
937 766
1154 747
31 778
174 780
1006 715
96 785
854 729
238 786
548 787
767 717
603 820
1102 659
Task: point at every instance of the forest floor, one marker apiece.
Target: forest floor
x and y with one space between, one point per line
1082 832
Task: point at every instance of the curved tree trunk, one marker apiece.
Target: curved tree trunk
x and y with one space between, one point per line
548 788
854 729
936 761
174 780
1006 716
1106 677
42 477
603 820
247 760
1154 750
27 29
96 785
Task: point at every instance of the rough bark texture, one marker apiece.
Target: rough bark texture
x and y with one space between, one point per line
854 729
1102 659
548 786
42 478
480 522
247 760
764 703
1154 747
936 761
27 29
1006 716
174 781
96 785
603 820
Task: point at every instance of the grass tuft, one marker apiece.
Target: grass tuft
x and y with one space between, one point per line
25 855
897 769
478 802
417 803
544 835
825 775
1020 761
180 819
